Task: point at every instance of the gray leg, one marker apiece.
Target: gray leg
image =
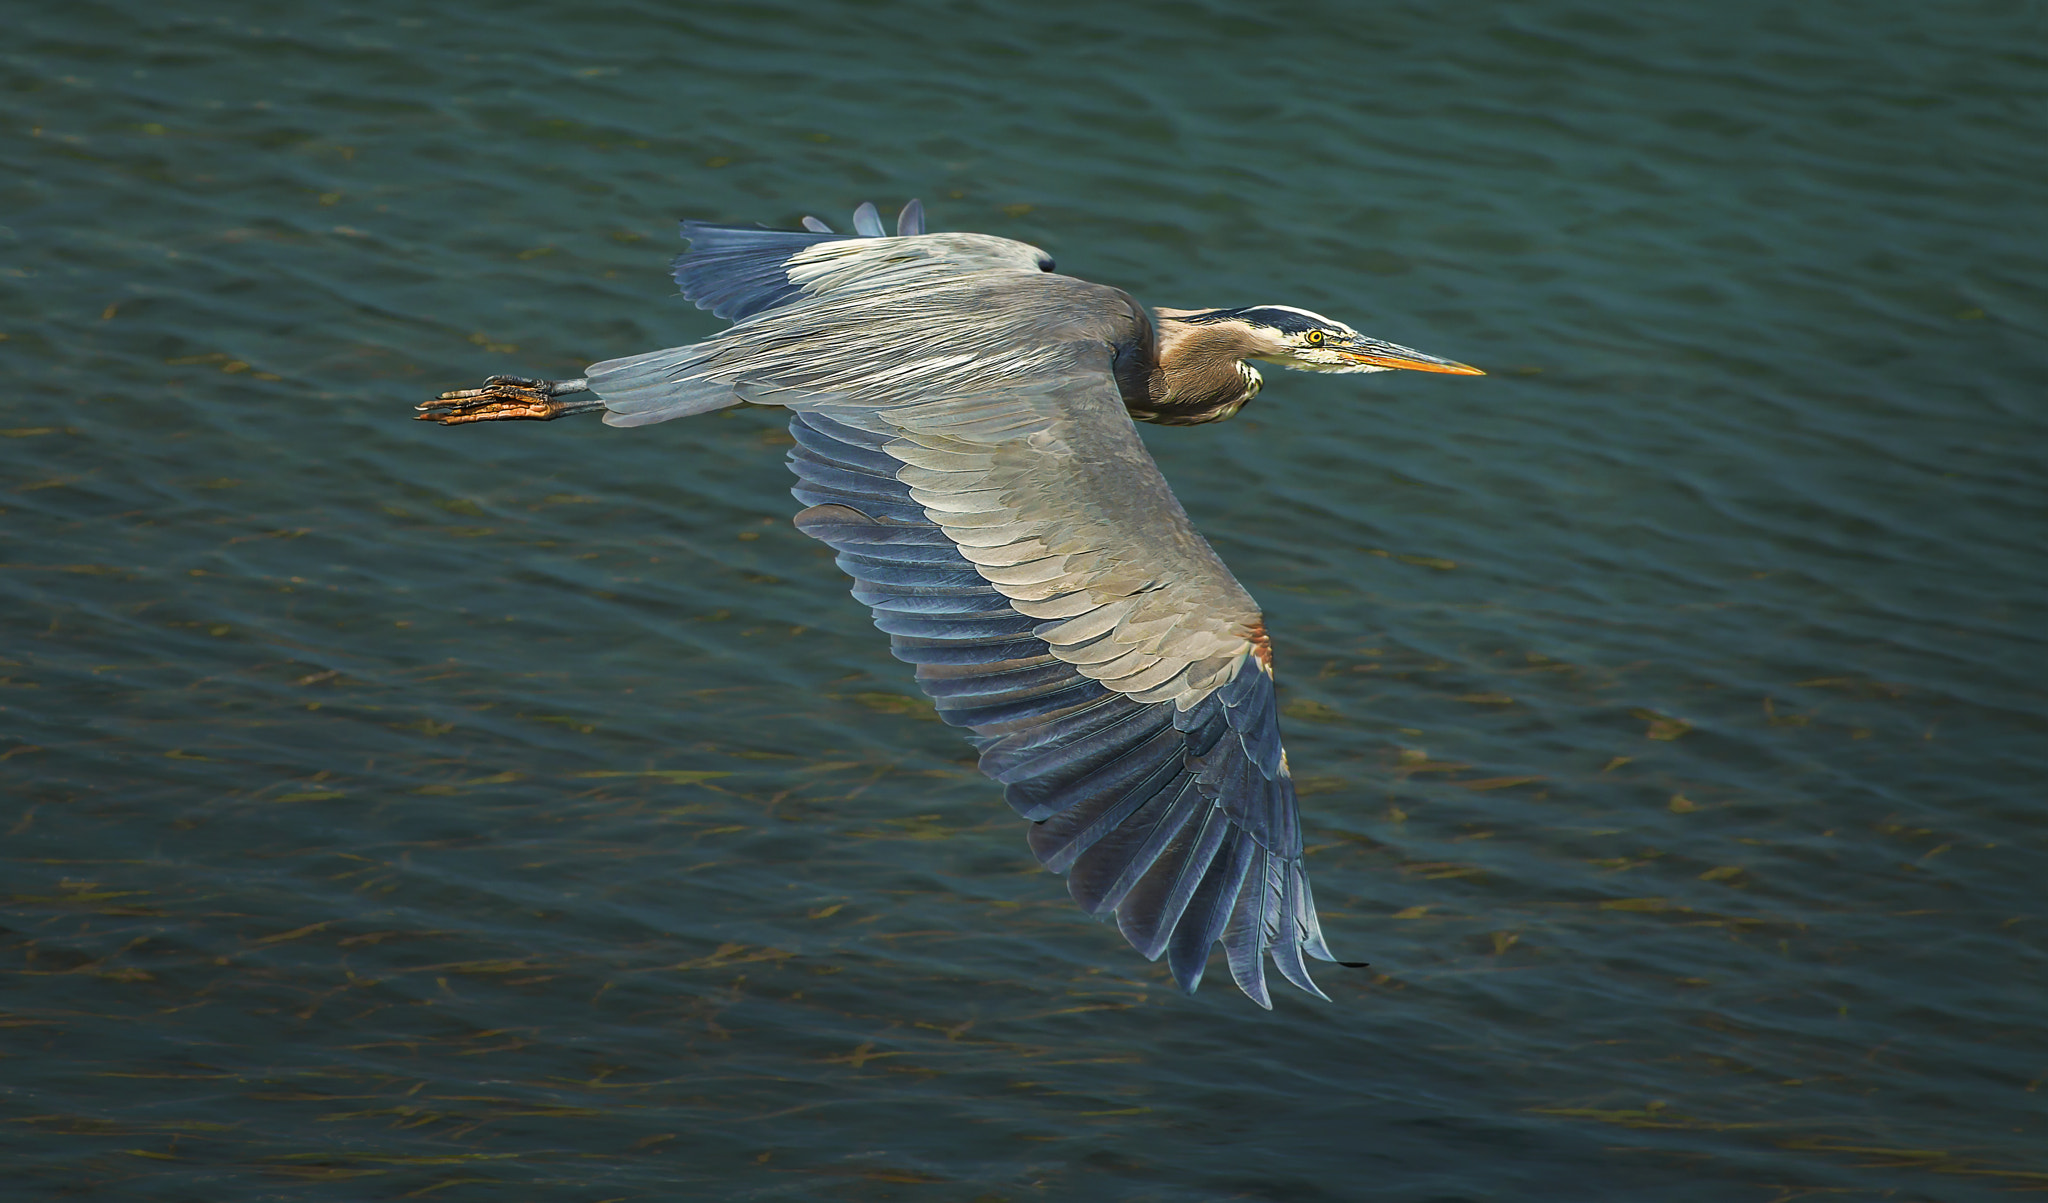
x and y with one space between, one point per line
509 398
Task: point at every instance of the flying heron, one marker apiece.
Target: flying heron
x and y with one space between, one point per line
964 440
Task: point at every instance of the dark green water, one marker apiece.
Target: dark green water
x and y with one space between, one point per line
525 812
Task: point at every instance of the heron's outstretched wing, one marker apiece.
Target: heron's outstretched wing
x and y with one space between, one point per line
1023 551
739 271
1177 814
766 276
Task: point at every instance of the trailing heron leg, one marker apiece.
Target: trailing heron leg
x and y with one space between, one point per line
509 398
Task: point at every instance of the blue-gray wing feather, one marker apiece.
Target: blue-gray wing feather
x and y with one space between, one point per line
910 221
1181 822
739 271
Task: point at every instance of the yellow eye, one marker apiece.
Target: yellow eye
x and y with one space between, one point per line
1315 338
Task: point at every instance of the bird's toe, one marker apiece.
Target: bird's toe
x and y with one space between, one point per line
501 399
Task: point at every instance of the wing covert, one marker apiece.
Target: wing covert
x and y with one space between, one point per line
1049 491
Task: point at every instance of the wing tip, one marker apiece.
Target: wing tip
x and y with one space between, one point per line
910 221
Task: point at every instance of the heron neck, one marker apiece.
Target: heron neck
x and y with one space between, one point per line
1199 375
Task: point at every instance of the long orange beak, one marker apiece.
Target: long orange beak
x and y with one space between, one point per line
1375 353
1414 362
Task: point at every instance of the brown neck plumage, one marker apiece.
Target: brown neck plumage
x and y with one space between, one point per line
1198 373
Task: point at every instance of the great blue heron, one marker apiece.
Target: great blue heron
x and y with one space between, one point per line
964 440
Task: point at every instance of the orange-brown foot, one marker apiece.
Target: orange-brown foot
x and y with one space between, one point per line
507 399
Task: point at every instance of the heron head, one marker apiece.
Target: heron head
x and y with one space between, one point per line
1309 342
